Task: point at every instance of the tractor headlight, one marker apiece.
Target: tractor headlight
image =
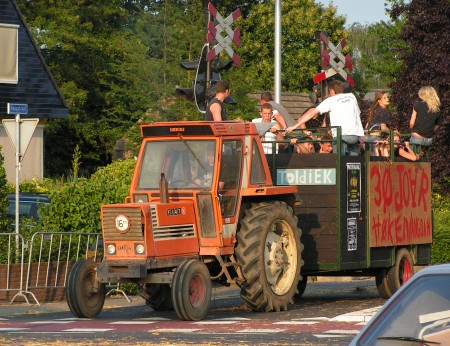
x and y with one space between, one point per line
139 249
111 249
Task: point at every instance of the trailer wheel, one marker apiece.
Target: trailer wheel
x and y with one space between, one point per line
402 270
85 295
301 287
382 282
191 290
269 251
159 298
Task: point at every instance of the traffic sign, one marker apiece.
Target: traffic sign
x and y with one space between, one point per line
215 33
329 59
27 127
17 108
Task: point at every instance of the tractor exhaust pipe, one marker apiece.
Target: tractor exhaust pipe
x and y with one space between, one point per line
163 189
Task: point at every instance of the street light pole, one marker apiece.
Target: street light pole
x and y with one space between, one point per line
277 53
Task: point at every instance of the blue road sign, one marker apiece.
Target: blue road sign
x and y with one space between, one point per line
17 108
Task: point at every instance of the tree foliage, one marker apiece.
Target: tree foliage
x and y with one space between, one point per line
75 206
117 64
425 34
4 222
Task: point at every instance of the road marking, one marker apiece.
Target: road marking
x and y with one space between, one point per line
312 319
174 330
233 319
357 316
87 330
74 319
12 329
329 335
51 322
339 331
215 322
133 322
297 322
153 319
256 331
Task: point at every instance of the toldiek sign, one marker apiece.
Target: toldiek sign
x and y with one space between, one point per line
306 176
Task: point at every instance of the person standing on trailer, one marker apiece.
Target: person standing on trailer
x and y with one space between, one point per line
344 112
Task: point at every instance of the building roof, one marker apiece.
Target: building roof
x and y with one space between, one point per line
295 103
36 85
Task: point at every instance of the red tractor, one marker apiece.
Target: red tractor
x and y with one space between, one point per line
202 207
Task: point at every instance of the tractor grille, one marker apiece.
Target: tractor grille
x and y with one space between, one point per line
169 232
135 233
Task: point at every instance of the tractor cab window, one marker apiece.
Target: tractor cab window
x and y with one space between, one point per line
187 164
229 178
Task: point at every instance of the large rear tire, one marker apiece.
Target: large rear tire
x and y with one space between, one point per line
85 295
301 287
191 290
158 297
402 270
269 251
381 280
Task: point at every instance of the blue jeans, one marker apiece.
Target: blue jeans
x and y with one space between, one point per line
348 145
426 142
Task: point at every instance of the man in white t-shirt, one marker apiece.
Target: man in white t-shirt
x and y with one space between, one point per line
266 117
344 112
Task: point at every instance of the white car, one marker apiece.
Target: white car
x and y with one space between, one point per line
417 314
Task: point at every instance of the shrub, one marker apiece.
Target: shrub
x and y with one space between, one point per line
440 251
75 207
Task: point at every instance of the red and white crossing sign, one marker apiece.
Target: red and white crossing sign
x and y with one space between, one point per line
215 33
329 59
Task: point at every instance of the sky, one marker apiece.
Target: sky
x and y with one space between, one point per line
362 11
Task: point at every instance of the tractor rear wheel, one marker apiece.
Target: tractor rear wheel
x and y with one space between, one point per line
301 287
158 297
269 251
85 295
191 290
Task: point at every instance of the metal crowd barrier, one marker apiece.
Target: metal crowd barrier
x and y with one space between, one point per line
10 242
45 260
51 254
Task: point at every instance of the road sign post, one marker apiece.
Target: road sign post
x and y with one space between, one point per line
13 128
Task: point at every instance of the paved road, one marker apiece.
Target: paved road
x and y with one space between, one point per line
328 313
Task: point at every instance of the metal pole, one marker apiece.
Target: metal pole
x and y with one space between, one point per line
17 184
277 53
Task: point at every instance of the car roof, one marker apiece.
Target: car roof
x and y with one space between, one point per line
434 269
29 197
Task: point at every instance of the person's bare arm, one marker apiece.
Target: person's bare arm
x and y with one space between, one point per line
407 152
216 111
413 119
303 119
279 119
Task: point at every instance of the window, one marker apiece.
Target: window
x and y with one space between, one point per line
9 53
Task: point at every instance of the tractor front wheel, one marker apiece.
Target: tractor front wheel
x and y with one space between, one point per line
85 295
191 290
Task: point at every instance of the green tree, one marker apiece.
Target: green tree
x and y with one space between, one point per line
96 61
5 225
374 53
426 34
300 58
